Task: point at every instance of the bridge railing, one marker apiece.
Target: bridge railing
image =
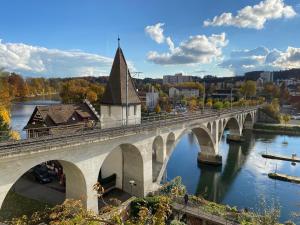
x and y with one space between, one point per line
108 133
200 209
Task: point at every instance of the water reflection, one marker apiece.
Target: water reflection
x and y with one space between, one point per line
215 182
242 180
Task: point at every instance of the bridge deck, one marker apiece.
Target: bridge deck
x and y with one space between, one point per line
198 213
97 134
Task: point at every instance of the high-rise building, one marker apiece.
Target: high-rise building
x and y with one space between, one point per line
177 78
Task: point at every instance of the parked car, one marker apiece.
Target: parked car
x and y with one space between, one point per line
296 117
41 174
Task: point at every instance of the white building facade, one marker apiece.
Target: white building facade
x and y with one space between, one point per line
151 99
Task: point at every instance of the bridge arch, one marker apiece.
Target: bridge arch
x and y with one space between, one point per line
233 125
75 184
123 164
204 138
170 142
249 121
209 126
158 149
220 129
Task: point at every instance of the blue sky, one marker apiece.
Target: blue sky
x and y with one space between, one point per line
78 38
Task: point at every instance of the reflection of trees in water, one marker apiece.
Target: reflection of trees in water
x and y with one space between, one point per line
265 137
213 183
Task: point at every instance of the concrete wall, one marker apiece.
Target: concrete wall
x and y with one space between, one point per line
115 116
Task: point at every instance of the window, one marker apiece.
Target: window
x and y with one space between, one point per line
135 110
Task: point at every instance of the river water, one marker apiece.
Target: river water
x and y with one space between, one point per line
241 181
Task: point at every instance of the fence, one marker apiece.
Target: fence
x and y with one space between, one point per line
88 134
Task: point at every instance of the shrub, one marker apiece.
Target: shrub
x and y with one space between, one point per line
177 222
147 202
218 105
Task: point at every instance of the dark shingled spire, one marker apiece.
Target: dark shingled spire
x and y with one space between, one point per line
115 91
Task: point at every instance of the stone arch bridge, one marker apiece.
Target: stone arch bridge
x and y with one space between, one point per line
134 153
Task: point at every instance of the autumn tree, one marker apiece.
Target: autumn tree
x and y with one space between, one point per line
76 90
192 103
271 90
17 85
248 89
284 93
157 108
209 103
4 89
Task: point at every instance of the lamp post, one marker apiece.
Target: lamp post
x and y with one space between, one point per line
203 96
132 183
231 98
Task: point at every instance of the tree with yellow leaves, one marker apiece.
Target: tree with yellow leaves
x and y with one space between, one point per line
4 123
5 131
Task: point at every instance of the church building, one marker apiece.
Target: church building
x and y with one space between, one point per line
120 104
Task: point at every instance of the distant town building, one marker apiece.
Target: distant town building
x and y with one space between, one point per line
177 79
288 82
267 77
225 94
118 97
61 119
183 91
151 99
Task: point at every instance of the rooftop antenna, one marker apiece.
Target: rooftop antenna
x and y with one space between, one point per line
118 41
136 74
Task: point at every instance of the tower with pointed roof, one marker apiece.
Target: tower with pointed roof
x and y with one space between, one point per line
120 104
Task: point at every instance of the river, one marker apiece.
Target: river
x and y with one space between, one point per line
241 181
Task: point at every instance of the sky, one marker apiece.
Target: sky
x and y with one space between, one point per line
61 38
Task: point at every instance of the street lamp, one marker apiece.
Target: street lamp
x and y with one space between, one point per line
132 183
231 98
203 96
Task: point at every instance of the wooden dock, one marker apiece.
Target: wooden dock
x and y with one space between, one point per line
281 157
284 177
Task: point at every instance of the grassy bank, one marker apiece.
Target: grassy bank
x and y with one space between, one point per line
277 128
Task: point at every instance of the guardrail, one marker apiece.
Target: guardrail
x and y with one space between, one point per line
85 135
198 212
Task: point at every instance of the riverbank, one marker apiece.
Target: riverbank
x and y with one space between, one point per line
167 206
277 128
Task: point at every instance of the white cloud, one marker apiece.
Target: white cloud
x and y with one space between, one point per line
197 49
289 59
262 58
156 32
254 16
36 61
